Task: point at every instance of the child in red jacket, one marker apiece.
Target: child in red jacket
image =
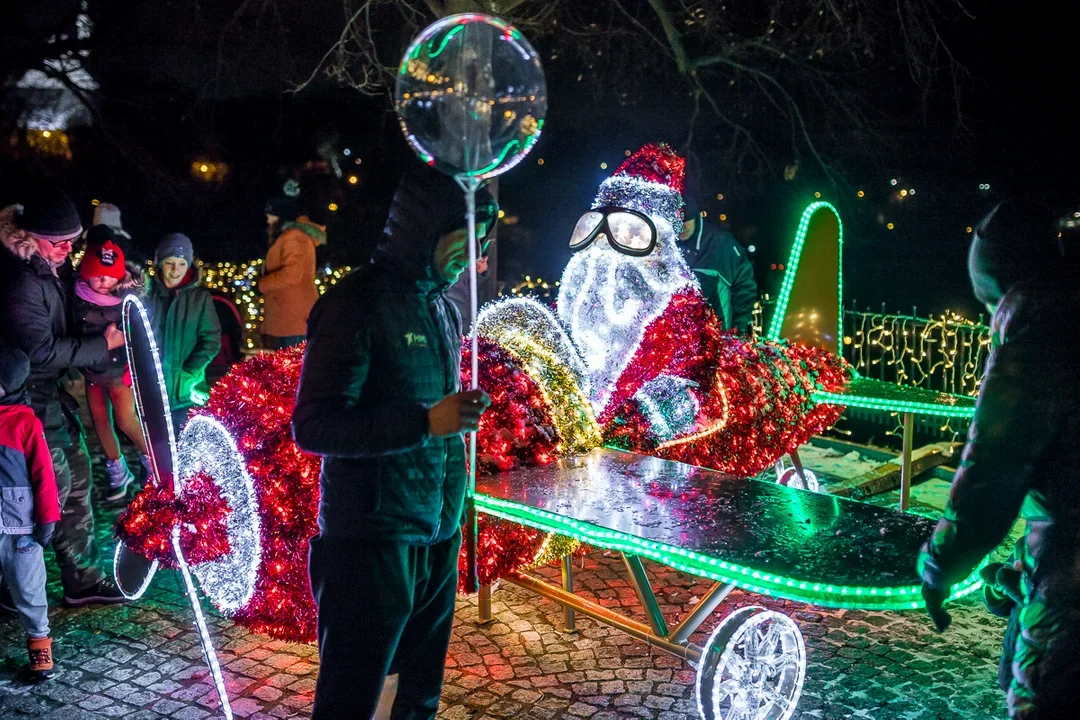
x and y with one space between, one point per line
29 507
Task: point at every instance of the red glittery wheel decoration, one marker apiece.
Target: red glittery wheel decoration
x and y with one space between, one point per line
255 402
146 525
658 163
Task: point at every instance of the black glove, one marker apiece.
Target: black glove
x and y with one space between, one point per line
43 534
935 606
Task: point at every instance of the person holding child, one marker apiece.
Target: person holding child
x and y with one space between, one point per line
104 279
29 507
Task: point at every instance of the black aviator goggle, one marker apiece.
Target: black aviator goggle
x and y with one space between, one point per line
628 231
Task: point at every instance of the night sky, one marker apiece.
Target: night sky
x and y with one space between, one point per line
165 85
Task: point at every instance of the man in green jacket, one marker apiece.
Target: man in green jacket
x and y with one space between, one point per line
185 324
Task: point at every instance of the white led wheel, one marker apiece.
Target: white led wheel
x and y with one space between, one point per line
207 447
790 478
752 667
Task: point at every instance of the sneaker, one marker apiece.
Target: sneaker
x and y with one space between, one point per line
119 478
41 660
104 592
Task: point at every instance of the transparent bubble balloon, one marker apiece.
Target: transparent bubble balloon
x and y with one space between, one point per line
471 96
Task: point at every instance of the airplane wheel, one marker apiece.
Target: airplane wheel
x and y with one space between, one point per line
790 477
752 668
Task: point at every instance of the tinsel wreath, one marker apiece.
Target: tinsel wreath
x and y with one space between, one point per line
255 402
755 395
517 428
146 525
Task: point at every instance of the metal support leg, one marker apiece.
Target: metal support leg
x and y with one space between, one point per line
483 605
568 585
640 580
905 466
797 462
701 611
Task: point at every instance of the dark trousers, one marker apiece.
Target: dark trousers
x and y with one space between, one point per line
74 542
382 606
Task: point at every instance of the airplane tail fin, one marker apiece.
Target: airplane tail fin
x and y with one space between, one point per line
809 307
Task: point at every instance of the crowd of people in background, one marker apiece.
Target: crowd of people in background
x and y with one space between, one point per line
59 322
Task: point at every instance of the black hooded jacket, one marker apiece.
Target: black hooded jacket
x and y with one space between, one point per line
384 345
35 317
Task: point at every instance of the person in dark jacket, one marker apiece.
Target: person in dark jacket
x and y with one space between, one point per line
380 400
722 269
1022 459
185 324
35 291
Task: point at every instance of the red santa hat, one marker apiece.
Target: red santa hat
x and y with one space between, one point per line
104 260
650 181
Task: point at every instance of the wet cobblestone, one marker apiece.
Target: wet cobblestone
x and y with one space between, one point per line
143 661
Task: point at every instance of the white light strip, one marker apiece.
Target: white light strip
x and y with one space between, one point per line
200 623
146 581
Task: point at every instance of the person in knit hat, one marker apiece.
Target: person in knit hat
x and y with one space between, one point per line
36 280
1021 460
108 226
186 326
104 279
29 507
288 283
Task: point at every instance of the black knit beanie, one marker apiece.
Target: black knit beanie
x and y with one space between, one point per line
1017 241
14 369
48 213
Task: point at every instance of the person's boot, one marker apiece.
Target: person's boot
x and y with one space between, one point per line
119 478
41 659
104 592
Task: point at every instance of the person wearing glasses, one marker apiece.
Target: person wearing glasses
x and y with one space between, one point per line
36 281
380 400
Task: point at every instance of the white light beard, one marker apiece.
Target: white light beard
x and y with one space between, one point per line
607 299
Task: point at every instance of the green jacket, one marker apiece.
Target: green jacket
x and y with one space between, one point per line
188 335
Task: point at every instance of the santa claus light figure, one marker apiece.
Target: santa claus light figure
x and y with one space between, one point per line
659 374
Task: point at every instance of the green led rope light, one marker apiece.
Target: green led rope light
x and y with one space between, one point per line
823 594
900 406
777 321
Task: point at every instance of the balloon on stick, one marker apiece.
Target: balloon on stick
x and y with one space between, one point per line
471 98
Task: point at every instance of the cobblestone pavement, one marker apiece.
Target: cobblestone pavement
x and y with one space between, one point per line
143 660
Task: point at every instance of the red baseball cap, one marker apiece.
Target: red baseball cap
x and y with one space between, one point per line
104 260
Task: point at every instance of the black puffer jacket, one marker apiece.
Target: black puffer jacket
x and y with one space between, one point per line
383 347
34 317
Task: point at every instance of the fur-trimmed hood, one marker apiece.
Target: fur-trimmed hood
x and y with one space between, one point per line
17 242
136 281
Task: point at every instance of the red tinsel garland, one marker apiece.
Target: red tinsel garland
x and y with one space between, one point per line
501 547
517 428
761 391
255 402
146 525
